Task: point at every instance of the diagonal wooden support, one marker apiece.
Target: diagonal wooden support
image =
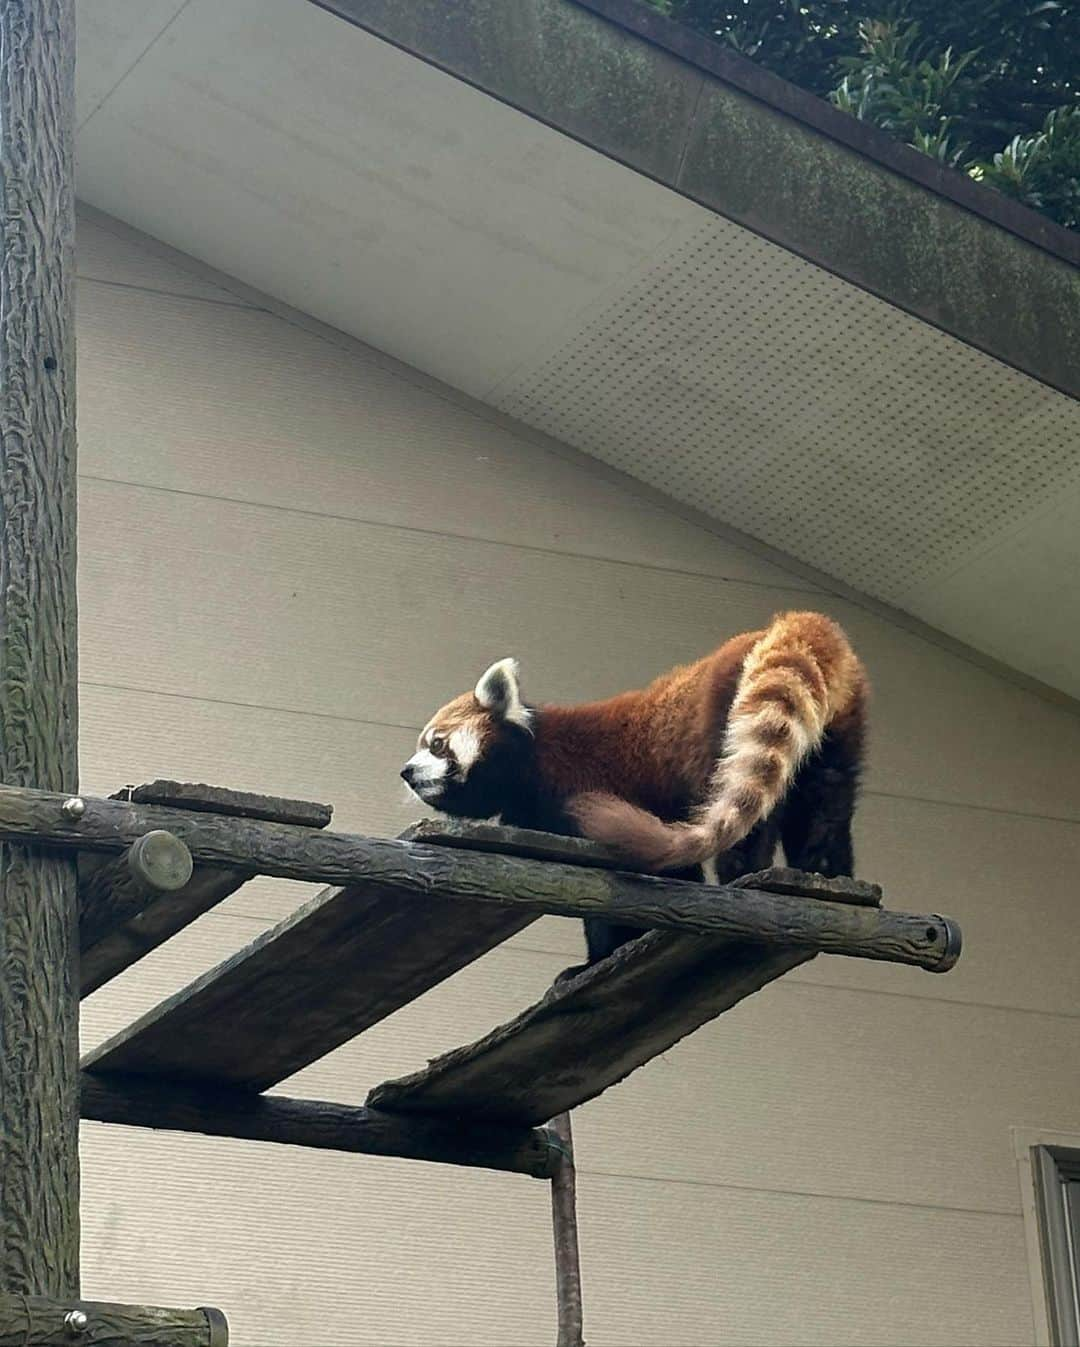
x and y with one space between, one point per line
591 1030
336 966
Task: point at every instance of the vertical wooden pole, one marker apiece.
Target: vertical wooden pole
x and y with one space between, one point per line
564 1226
39 1173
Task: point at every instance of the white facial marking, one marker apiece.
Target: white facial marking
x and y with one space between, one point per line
465 746
428 773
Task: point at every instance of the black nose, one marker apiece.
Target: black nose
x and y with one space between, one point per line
406 773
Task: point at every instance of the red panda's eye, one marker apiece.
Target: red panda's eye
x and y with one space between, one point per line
438 743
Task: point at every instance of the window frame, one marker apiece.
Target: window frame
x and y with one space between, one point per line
1055 1170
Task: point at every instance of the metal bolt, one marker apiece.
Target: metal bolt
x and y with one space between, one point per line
74 808
75 1321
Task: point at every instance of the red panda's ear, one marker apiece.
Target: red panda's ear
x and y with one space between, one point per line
499 692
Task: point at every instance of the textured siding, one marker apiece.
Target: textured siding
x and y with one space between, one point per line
291 552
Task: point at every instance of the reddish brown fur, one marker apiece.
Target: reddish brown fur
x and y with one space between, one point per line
655 747
766 690
683 769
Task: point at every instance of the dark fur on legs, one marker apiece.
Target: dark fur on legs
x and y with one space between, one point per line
815 824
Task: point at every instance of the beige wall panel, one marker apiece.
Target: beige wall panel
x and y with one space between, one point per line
394 1254
130 737
695 1267
105 259
234 602
321 429
947 729
1009 880
812 1089
310 1249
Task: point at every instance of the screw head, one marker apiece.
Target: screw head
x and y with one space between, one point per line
75 1321
74 808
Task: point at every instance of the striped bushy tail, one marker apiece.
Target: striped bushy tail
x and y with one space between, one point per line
795 680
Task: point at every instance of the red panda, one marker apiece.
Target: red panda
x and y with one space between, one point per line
757 744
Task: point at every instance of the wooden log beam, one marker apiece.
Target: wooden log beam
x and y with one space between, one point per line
125 908
39 1112
419 873
224 1112
123 915
30 1321
590 1031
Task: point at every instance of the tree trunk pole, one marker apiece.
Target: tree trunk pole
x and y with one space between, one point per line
564 1226
39 1105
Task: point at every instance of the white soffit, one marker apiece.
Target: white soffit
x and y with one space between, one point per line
752 384
313 161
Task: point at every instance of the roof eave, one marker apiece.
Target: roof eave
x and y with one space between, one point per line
738 140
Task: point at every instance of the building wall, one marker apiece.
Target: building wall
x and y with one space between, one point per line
291 552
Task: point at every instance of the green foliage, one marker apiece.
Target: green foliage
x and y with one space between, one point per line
1042 170
990 86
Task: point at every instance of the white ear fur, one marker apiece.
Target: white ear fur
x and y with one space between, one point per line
499 692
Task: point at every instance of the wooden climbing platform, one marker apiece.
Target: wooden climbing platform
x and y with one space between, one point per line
399 916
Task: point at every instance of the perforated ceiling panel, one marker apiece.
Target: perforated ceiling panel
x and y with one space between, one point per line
742 380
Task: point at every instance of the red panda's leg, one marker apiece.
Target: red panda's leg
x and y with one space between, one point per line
754 852
816 816
603 938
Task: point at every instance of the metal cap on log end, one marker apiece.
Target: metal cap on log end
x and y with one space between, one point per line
219 1327
160 861
951 940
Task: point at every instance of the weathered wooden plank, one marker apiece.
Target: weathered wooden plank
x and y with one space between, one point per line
803 884
31 1321
39 1114
336 966
413 871
121 920
590 1031
222 800
494 837
222 1111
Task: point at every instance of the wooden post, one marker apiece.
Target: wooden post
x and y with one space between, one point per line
564 1229
39 1101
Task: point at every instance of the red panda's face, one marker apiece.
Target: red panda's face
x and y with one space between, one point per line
468 750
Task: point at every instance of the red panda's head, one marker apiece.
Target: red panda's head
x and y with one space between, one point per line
472 753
